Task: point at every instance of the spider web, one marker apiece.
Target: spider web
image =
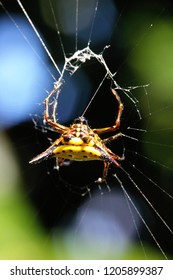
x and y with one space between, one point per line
133 176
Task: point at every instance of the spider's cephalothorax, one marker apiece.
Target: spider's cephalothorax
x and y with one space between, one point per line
79 142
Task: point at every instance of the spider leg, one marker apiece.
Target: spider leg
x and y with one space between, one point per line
113 159
117 121
59 162
54 110
59 128
105 172
111 138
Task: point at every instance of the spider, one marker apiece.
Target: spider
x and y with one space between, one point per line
79 142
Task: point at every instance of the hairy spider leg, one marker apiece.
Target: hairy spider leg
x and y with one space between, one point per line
111 138
117 121
114 159
58 127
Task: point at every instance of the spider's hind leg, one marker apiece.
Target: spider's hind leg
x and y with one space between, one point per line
61 162
112 159
102 179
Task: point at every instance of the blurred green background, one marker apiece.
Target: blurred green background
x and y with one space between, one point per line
40 218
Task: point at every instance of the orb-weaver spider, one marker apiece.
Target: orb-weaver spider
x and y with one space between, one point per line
79 142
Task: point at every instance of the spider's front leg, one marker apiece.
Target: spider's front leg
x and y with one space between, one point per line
117 121
58 127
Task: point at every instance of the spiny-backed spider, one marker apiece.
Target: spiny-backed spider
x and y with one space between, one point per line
79 142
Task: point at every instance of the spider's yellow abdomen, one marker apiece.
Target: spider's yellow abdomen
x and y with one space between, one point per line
78 153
